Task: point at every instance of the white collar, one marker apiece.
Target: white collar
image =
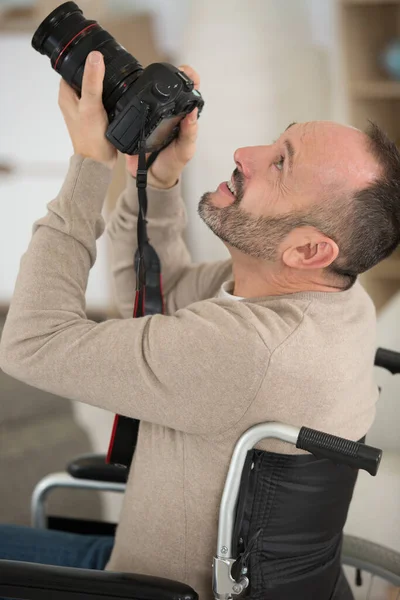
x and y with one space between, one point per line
226 291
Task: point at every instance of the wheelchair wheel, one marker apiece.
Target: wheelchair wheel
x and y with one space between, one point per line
373 571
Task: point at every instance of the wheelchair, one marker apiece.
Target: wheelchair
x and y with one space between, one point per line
230 575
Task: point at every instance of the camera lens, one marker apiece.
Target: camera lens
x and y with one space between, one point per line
66 37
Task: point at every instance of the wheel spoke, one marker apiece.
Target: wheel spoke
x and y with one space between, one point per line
371 583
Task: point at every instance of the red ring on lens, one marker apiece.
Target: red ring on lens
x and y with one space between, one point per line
70 42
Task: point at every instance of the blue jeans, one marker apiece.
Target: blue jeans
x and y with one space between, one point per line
54 547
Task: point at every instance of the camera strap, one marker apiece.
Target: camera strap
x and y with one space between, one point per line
149 300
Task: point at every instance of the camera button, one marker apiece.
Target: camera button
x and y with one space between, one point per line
162 90
186 80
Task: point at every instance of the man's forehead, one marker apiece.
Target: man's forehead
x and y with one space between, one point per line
340 150
326 139
325 128
322 122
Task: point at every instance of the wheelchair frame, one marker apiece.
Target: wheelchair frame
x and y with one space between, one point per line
224 585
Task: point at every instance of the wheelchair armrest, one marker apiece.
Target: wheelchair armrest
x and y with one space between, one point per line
94 466
43 582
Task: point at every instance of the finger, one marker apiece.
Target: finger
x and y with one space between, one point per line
92 80
132 163
67 97
190 72
188 130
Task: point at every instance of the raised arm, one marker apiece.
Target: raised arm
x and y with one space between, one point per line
155 368
183 282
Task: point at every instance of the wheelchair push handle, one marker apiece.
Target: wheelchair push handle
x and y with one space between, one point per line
339 450
388 359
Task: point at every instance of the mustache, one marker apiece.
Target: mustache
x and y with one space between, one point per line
238 179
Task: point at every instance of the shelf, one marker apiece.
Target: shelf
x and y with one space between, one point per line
376 90
19 20
387 269
367 27
369 2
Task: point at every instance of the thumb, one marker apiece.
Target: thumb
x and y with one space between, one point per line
92 81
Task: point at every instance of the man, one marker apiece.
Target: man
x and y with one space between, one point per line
282 332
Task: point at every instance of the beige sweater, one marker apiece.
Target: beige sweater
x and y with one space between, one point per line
196 378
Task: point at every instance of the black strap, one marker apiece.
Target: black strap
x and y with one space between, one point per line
148 301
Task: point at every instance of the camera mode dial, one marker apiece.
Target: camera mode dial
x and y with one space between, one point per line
162 90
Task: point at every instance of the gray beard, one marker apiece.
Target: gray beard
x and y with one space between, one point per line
258 237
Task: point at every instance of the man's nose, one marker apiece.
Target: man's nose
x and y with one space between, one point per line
246 159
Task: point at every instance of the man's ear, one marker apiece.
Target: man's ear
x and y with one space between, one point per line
307 248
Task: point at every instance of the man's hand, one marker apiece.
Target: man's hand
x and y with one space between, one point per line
167 169
86 118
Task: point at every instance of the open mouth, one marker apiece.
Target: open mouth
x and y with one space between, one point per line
231 187
230 190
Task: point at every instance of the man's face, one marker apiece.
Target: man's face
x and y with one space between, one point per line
274 185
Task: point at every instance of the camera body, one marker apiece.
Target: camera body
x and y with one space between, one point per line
160 97
143 105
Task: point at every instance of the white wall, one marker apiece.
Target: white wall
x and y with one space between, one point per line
35 141
263 64
170 17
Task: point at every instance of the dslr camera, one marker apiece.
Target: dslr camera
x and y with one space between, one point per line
144 106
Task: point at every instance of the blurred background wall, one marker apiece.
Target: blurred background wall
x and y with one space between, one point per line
263 64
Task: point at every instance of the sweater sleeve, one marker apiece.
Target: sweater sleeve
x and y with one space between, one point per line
196 371
183 281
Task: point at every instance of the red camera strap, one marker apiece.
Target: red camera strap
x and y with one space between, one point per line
148 301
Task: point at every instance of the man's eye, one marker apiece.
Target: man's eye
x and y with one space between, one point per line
279 164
